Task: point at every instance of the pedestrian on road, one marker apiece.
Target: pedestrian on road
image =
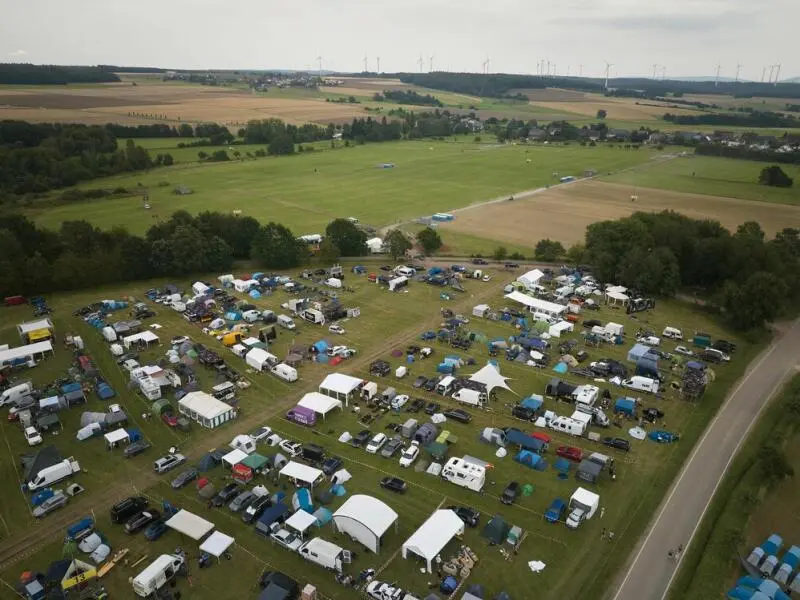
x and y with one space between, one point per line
671 554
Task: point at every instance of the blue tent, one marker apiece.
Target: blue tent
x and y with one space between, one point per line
531 459
448 585
338 490
526 442
104 391
663 437
232 316
302 500
626 406
638 351
257 275
534 402
321 346
562 465
254 294
323 516
134 435
278 497
70 387
444 368
561 367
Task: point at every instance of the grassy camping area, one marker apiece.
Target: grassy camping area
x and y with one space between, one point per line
388 322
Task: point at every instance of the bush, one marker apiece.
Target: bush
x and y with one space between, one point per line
775 176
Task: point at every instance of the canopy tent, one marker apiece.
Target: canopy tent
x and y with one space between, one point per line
319 403
234 457
433 535
537 305
366 519
115 437
531 278
340 386
206 410
301 472
301 521
216 544
561 327
25 352
491 378
190 524
145 337
612 297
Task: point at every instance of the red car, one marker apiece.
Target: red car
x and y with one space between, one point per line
570 453
170 419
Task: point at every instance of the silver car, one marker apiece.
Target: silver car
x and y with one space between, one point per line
242 501
54 502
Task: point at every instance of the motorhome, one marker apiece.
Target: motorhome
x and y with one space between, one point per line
582 506
466 474
325 554
672 333
285 372
471 397
598 416
157 574
568 425
13 394
286 322
641 384
53 474
586 394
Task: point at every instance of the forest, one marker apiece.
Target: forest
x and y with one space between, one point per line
27 74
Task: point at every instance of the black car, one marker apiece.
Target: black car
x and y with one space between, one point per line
394 484
259 505
510 265
124 510
226 494
470 516
361 438
135 449
523 412
588 324
417 405
509 495
381 368
141 520
185 478
420 381
459 415
479 261
331 465
278 586
430 385
618 443
724 346
432 408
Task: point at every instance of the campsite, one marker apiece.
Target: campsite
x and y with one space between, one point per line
387 325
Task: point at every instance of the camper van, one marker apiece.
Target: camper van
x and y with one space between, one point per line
445 386
641 384
312 315
53 474
672 333
582 506
13 394
598 416
286 322
568 425
251 316
302 416
472 397
157 574
325 554
285 372
466 474
586 394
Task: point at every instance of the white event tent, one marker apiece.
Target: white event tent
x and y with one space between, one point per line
433 535
365 519
190 524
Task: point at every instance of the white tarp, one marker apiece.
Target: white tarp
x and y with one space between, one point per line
25 351
366 519
491 378
234 457
216 544
301 472
116 436
301 521
537 305
433 535
319 403
190 524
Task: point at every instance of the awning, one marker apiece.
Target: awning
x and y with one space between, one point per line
190 524
301 472
216 544
301 521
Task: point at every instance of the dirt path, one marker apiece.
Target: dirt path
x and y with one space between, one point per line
51 528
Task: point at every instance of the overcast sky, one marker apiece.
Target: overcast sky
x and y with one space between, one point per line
688 37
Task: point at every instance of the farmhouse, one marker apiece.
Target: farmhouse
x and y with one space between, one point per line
536 305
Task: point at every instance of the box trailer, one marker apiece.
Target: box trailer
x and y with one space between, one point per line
325 554
312 315
582 506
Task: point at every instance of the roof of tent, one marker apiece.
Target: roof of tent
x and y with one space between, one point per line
301 521
340 383
204 404
23 351
536 303
496 529
216 544
319 403
112 437
434 534
491 378
190 524
255 461
374 514
234 457
617 296
34 326
297 470
532 276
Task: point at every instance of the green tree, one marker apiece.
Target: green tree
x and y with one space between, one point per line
774 464
500 253
218 254
276 247
219 156
328 251
281 146
775 176
161 257
601 114
135 258
350 240
575 254
397 243
202 155
168 160
188 251
756 302
38 274
429 239
548 250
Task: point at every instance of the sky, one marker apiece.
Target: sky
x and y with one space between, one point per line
682 37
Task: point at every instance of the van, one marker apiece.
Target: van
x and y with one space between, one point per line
541 317
312 315
13 394
268 317
568 425
157 574
285 372
251 316
641 384
302 416
672 333
325 554
471 397
405 271
122 511
313 453
53 474
286 322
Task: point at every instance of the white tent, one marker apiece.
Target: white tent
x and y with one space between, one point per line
31 326
340 386
375 245
190 524
561 327
613 297
341 476
234 457
301 472
531 278
433 535
365 519
115 437
25 352
147 337
491 378
216 544
206 410
334 283
301 521
537 305
481 310
258 359
319 403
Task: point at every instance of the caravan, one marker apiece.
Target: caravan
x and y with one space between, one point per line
156 575
325 554
286 322
568 425
466 474
12 394
285 372
312 315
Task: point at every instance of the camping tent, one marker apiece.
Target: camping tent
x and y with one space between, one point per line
365 519
637 352
116 437
234 457
496 530
319 403
589 471
216 544
340 386
491 378
531 459
301 472
531 278
258 359
145 337
433 535
300 521
560 327
190 524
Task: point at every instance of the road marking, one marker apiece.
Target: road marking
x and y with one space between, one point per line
688 463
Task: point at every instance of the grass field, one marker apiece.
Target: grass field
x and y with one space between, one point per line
307 191
642 476
713 176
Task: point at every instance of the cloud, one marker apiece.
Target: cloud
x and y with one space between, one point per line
17 53
666 22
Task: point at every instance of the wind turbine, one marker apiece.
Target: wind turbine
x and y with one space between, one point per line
420 62
738 70
655 67
771 71
378 61
430 62
366 68
716 76
777 74
763 74
319 64
608 68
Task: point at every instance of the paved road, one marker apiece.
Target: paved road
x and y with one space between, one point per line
649 574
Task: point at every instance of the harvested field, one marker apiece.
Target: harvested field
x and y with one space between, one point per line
562 213
616 108
552 95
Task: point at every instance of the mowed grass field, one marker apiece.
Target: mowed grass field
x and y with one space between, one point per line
388 322
307 191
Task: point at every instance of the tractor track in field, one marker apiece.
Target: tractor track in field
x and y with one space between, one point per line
51 528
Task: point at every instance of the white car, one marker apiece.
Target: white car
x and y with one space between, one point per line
376 443
260 434
179 339
291 448
378 590
409 455
683 350
342 351
649 340
287 539
32 436
399 401
338 329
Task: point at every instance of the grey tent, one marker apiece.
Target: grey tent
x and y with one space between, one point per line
496 530
33 463
207 462
279 461
88 418
471 596
588 471
115 418
426 434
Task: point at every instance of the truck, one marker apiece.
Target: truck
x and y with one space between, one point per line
465 474
54 473
582 506
471 397
157 574
325 554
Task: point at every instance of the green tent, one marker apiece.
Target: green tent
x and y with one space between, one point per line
437 450
160 407
496 530
256 462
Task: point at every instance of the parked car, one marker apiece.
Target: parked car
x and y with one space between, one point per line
286 539
417 405
419 382
155 530
589 323
479 261
184 478
168 462
331 465
376 443
470 516
570 453
226 494
293 449
179 339
459 415
256 508
242 501
724 346
135 449
260 434
141 520
509 495
399 401
523 412
392 446
361 438
511 265
394 484
409 455
53 503
683 350
431 384
618 443
337 329
432 408
555 512
32 436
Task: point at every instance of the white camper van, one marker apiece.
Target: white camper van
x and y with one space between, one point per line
672 333
156 575
466 474
325 554
285 372
53 474
582 506
568 425
471 397
286 322
641 384
13 394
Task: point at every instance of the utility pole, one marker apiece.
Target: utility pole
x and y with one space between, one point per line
738 70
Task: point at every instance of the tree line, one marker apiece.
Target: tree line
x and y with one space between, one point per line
27 74
750 278
746 119
475 84
746 153
407 97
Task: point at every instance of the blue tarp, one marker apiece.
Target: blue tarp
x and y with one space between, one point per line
534 402
523 440
70 387
626 406
448 585
662 437
444 368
